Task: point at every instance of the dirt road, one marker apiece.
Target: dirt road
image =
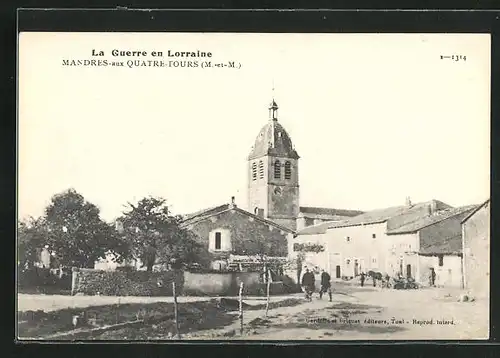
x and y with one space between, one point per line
368 314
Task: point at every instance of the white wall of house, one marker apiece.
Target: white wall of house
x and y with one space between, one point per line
402 255
476 245
449 274
354 249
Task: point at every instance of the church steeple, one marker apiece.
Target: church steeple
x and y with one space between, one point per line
273 180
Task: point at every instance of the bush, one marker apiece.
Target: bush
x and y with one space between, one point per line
132 283
41 279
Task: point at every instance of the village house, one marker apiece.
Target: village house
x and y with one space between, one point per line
407 240
439 247
231 232
476 251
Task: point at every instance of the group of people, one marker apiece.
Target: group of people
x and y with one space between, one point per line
309 284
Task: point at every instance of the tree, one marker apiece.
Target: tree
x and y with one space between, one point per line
32 236
155 236
76 233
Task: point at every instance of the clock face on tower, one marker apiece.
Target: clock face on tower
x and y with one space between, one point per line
277 191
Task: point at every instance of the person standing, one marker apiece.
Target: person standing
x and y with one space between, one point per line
432 277
362 279
326 285
308 281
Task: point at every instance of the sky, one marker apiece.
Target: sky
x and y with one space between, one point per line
375 118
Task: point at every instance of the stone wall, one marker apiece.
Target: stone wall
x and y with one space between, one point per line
221 284
143 283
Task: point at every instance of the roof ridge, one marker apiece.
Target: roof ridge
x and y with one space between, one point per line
440 219
229 207
479 206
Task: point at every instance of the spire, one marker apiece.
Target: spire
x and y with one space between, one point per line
273 108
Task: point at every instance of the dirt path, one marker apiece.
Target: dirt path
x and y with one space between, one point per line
48 303
370 314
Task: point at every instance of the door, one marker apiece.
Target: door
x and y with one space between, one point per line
408 271
337 271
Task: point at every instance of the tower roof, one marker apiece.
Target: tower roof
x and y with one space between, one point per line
273 140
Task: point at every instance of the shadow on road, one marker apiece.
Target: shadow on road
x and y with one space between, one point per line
344 316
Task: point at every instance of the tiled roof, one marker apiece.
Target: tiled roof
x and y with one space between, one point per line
429 220
316 229
444 235
315 211
475 210
444 246
397 215
207 213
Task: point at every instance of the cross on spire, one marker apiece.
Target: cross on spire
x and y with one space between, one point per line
273 107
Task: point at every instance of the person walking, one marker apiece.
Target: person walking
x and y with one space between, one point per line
326 285
308 281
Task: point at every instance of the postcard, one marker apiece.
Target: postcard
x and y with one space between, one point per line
253 186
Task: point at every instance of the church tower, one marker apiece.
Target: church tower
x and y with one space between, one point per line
273 176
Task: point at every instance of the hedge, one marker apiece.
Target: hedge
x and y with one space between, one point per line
123 283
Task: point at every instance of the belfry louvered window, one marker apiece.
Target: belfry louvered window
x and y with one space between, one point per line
277 169
254 171
288 170
261 170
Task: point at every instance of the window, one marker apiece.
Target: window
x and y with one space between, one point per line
288 170
348 239
374 260
296 247
254 171
348 261
277 169
374 236
261 169
217 241
440 257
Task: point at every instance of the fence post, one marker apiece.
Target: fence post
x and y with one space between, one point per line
176 313
267 292
241 307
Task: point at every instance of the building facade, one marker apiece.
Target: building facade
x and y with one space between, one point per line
409 240
476 251
231 232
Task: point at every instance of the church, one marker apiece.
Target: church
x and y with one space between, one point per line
273 213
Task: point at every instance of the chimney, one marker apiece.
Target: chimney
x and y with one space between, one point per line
233 204
433 206
408 201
